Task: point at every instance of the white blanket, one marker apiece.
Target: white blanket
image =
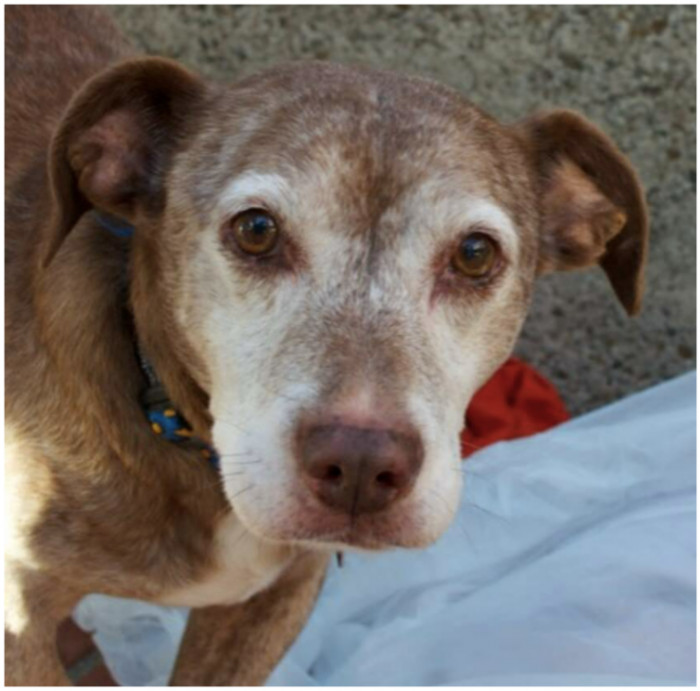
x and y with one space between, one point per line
571 562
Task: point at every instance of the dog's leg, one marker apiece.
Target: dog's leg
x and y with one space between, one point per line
31 657
32 612
239 645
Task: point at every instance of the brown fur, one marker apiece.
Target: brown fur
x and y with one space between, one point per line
617 219
233 646
105 505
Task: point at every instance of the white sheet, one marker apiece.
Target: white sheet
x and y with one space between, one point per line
572 562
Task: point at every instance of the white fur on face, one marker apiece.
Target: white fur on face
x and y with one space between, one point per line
252 188
269 350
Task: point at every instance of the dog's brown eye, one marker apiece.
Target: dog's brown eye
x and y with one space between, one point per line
255 232
476 255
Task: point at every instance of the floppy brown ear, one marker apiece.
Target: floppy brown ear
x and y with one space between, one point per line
114 144
591 202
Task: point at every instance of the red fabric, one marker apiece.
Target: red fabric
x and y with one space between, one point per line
516 402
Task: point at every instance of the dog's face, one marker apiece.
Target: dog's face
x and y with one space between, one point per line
345 256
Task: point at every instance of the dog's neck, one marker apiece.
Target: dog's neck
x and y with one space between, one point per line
162 413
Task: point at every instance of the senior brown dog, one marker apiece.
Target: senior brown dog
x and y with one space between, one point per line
315 268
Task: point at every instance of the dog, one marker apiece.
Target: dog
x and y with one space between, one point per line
243 322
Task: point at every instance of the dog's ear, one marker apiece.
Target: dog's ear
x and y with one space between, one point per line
113 146
591 203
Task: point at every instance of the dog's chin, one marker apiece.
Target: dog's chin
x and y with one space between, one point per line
318 528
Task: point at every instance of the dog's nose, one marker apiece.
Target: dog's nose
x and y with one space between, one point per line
359 470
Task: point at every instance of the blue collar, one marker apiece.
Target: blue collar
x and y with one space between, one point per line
162 416
113 225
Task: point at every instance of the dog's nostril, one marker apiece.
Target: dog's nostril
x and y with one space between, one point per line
333 473
386 479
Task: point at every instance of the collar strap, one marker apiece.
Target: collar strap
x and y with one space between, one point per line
162 416
114 225
167 422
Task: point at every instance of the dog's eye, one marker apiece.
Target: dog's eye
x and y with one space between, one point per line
475 256
255 232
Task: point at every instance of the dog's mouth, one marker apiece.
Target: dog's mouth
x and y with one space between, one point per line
301 520
350 539
357 535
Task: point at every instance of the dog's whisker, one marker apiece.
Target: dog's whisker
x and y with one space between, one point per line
470 445
239 539
456 519
225 421
238 494
474 475
207 486
222 476
286 397
441 498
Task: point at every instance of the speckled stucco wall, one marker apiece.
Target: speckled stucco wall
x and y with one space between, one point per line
629 69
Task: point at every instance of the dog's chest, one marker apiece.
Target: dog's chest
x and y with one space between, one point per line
243 566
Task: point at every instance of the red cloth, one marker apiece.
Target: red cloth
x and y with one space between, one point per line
516 402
